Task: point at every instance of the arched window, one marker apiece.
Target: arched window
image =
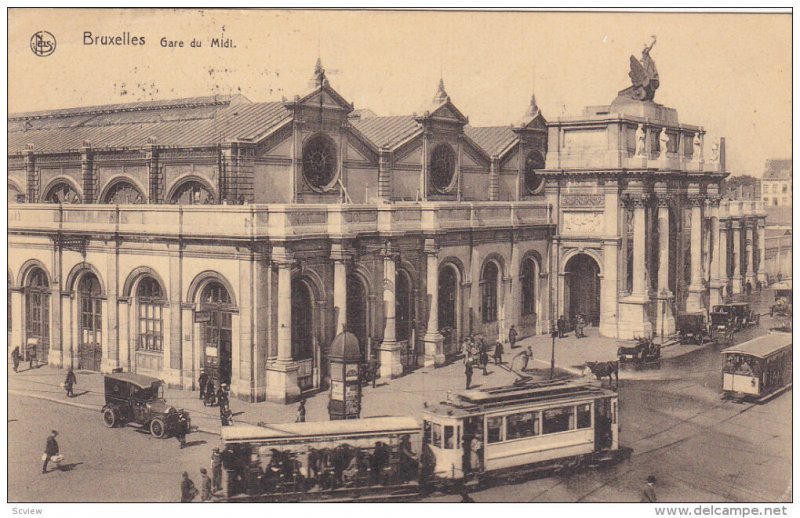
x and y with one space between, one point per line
489 292
319 162
122 193
527 280
533 163
37 311
90 333
150 301
217 310
404 306
62 192
191 192
443 167
302 323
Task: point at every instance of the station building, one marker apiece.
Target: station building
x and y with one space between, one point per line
167 237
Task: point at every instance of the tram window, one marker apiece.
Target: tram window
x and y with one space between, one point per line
522 425
448 438
437 435
585 416
559 420
494 427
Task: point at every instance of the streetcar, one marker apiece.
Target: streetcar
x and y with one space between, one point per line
759 368
473 437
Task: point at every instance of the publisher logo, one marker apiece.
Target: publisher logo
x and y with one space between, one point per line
43 43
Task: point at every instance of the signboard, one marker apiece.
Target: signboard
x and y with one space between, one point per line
337 390
351 402
211 351
202 316
351 372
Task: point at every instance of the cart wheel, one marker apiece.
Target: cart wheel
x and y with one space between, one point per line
157 428
110 418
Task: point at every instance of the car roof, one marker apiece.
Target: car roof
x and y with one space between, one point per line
140 380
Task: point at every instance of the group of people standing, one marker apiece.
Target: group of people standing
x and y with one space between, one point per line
208 485
562 326
219 397
476 353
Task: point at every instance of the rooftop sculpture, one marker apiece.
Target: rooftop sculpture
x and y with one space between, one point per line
644 76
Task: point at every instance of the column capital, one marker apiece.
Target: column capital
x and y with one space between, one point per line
340 253
735 224
696 200
663 199
282 257
636 199
430 247
714 200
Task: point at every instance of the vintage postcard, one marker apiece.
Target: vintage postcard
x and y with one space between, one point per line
263 255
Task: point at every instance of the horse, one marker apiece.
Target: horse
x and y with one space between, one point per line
603 369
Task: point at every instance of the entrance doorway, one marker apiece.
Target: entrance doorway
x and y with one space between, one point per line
357 312
37 312
303 346
448 308
582 289
90 332
215 303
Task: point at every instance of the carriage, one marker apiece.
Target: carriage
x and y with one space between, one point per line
783 299
692 326
759 368
645 351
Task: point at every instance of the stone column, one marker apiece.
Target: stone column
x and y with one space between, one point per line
123 319
609 291
665 320
639 283
339 286
723 258
694 302
715 284
750 275
434 356
762 251
736 280
17 301
282 373
391 364
634 318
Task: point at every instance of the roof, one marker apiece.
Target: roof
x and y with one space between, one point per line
780 169
762 346
368 426
388 132
493 140
199 121
140 380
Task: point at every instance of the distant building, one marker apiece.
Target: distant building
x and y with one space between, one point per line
776 184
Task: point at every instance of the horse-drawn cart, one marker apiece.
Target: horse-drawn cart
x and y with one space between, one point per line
692 326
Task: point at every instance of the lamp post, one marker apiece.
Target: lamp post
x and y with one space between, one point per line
345 395
553 336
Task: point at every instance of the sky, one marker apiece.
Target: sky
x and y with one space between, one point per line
729 73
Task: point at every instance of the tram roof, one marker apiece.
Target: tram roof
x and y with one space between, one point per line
470 401
762 346
367 426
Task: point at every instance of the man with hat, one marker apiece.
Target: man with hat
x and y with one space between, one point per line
216 470
188 491
649 492
205 486
50 449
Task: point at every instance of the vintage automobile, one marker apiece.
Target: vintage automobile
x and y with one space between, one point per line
645 350
783 299
692 326
742 315
135 398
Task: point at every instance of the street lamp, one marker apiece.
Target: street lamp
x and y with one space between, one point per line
553 336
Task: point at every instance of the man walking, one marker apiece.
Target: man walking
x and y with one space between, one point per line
15 358
562 326
216 470
188 490
203 382
50 449
181 429
512 337
205 486
70 381
649 492
468 374
31 354
484 357
301 411
579 325
498 353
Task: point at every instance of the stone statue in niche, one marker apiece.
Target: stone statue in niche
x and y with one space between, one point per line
641 141
663 141
715 152
698 147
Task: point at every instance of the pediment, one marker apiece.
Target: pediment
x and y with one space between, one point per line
326 97
448 111
534 122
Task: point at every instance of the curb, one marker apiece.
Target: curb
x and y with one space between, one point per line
93 408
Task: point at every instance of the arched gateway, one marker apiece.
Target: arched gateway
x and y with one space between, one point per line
582 288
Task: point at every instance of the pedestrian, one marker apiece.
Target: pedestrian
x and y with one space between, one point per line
374 366
562 326
468 374
466 349
222 395
205 486
181 429
484 357
225 415
526 356
579 324
15 358
512 337
498 353
50 449
216 470
649 492
188 490
31 353
301 411
70 381
203 382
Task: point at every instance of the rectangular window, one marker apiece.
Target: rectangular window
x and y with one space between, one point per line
522 425
494 427
584 416
449 444
436 432
558 420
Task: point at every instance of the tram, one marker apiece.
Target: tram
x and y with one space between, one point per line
759 368
473 437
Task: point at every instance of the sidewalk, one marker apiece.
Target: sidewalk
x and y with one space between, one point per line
401 396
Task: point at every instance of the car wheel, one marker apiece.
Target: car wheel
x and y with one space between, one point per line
157 428
110 418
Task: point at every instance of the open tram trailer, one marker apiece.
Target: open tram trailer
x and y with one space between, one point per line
531 427
758 368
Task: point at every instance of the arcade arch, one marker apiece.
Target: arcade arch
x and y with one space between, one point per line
582 288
